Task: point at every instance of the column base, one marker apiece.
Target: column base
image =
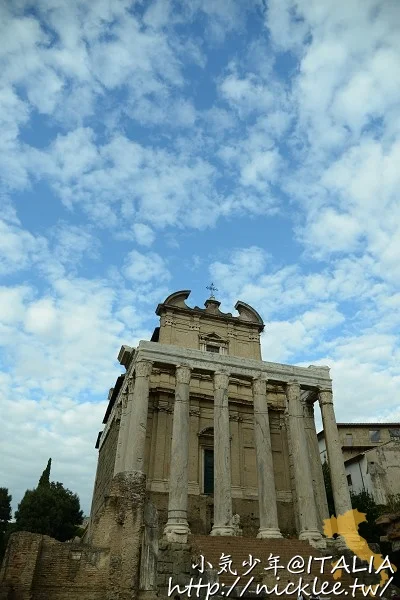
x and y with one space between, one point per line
314 538
269 533
227 530
177 532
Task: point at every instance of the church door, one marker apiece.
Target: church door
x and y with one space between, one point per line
208 471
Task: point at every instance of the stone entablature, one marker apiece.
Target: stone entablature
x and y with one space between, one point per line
311 378
166 356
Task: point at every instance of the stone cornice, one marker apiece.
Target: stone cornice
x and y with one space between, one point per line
311 377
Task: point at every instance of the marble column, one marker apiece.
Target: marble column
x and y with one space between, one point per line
177 528
136 415
222 458
269 527
340 488
316 465
306 507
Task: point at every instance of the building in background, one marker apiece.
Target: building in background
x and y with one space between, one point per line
371 455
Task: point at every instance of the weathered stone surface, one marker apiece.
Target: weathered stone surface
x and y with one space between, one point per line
39 567
306 507
167 353
177 528
268 511
222 459
127 502
105 468
136 418
340 488
316 465
149 552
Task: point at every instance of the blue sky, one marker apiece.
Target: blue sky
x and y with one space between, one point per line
153 146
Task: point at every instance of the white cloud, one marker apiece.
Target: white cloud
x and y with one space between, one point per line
71 243
59 349
260 169
283 341
144 235
245 264
144 267
346 137
41 317
12 304
18 248
334 231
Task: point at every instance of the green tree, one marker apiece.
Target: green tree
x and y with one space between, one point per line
49 509
45 476
5 517
328 488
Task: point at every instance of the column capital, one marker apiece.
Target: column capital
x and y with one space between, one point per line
260 385
293 389
221 380
324 396
295 405
143 368
293 383
182 374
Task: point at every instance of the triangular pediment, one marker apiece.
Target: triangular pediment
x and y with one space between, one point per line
212 337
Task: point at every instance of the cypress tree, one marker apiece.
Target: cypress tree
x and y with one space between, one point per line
44 480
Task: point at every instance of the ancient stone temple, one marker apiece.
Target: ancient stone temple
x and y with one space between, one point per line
202 439
227 442
217 431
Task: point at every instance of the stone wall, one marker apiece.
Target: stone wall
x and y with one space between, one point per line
69 571
200 513
105 467
40 568
19 564
37 567
384 470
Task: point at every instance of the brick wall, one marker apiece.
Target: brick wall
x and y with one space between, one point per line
68 571
18 568
37 567
105 468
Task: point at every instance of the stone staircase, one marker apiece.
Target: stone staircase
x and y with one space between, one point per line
241 548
